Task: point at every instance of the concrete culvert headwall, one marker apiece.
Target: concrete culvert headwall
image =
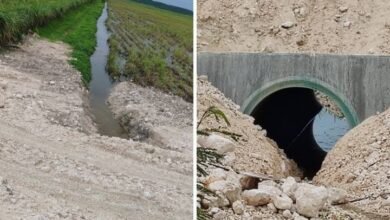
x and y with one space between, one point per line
287 108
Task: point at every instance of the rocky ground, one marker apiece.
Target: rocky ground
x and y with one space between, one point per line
54 164
344 26
360 164
253 152
154 117
242 196
352 184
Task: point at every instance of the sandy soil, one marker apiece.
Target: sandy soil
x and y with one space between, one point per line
360 163
343 26
254 152
53 164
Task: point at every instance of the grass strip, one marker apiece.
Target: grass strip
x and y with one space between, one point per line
18 17
78 29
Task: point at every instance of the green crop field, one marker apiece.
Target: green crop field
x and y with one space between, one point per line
152 46
19 16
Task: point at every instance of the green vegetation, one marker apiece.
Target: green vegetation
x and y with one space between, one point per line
152 46
78 29
207 157
18 17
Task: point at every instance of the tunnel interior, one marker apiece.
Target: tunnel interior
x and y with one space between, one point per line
288 116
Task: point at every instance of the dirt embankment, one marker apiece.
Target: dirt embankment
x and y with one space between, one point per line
359 161
360 164
53 164
345 26
154 117
253 152
261 183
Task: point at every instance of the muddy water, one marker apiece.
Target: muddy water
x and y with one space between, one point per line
101 83
328 129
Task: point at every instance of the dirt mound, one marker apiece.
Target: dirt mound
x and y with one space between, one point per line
242 181
53 164
154 117
360 164
253 152
346 26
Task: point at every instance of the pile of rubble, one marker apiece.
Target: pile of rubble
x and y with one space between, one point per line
360 164
248 196
257 181
253 151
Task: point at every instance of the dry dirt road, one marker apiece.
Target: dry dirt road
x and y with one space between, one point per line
54 164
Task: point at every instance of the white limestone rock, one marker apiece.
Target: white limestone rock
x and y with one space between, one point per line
215 175
221 144
288 24
282 202
336 195
289 186
231 191
310 199
287 214
238 207
261 196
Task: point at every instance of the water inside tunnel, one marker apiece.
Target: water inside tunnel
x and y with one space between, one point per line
300 125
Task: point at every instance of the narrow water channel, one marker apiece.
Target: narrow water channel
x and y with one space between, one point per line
101 83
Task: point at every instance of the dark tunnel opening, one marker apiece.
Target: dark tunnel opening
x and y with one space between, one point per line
288 116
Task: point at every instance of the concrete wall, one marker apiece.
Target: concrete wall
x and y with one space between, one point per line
362 83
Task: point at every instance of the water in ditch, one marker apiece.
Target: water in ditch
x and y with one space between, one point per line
328 129
101 83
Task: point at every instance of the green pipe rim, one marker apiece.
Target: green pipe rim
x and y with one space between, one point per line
257 96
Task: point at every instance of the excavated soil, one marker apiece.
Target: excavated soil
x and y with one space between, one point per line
254 152
343 26
53 164
256 155
360 164
155 117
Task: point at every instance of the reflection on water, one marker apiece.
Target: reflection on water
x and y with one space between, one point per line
328 129
101 84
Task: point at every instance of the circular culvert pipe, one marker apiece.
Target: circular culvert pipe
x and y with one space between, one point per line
288 116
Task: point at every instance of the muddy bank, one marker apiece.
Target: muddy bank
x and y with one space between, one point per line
54 164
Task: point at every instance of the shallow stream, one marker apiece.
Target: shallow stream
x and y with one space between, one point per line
101 83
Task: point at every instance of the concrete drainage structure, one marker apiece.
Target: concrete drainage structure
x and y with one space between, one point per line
277 90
